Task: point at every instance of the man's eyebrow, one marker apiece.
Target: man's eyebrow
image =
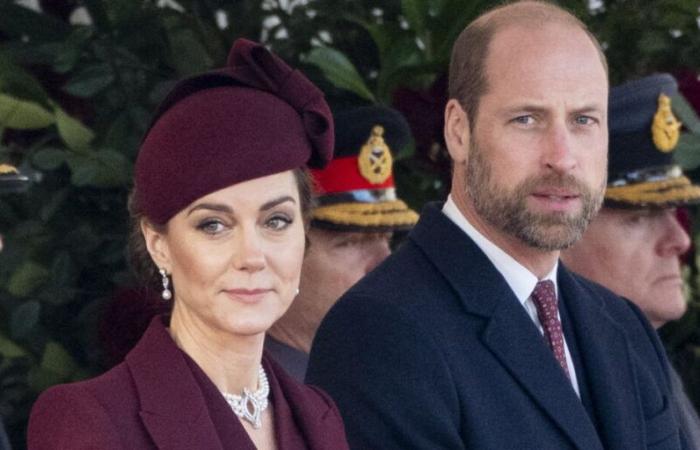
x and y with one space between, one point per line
524 108
588 109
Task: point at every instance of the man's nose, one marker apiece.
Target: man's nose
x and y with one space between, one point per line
377 252
558 155
674 240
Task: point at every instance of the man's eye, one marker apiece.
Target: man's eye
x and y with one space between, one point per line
278 223
524 120
635 219
211 226
348 242
584 120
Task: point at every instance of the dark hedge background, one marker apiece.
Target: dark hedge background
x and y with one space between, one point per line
78 80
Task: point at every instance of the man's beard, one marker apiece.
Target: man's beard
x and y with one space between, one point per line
508 210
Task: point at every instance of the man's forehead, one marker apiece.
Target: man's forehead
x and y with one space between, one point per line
520 50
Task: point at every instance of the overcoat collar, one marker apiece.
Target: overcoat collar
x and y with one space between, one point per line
175 411
173 408
518 345
607 355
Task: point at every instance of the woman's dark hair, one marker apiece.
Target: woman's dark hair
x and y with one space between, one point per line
141 263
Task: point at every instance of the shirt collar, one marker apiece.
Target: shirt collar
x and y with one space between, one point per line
521 281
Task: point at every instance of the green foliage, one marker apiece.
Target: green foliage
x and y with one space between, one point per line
339 71
75 100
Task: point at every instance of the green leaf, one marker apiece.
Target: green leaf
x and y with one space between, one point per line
69 52
84 169
22 114
189 56
338 69
685 113
114 169
452 18
415 12
54 204
380 35
90 81
56 366
17 21
103 169
76 135
687 152
22 84
63 270
28 277
66 59
9 349
24 318
49 158
57 360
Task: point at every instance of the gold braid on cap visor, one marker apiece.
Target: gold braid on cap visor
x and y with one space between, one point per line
390 213
670 191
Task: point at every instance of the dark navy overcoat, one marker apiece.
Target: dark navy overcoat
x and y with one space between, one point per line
432 350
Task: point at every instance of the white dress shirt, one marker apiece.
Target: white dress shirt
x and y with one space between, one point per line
521 281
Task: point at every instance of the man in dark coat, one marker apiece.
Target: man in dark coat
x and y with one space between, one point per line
472 335
633 246
356 215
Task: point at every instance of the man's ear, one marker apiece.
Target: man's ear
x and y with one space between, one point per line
456 132
157 246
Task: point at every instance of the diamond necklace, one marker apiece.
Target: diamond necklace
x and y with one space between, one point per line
251 405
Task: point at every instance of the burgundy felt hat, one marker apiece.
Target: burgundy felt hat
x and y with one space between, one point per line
255 117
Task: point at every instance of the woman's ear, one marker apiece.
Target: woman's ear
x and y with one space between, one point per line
456 132
157 245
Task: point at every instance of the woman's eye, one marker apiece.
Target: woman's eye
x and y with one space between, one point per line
278 223
211 226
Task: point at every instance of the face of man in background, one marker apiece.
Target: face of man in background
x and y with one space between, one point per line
635 253
334 262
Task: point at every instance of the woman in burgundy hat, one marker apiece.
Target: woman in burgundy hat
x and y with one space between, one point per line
220 205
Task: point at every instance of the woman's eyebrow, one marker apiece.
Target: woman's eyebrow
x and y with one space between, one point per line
220 207
272 203
211 206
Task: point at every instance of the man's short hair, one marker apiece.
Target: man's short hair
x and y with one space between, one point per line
467 75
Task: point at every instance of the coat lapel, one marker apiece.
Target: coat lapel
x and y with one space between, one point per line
173 409
606 356
510 333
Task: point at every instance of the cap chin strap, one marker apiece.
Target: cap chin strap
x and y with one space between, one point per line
358 196
648 175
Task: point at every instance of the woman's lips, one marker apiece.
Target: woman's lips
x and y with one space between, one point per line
247 295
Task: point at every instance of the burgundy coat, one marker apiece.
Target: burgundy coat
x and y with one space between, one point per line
159 398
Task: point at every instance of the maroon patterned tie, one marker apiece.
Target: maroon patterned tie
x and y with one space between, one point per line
546 303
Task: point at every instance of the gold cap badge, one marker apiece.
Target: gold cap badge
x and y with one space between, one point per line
375 158
665 129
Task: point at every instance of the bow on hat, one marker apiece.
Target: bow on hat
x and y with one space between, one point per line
251 64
